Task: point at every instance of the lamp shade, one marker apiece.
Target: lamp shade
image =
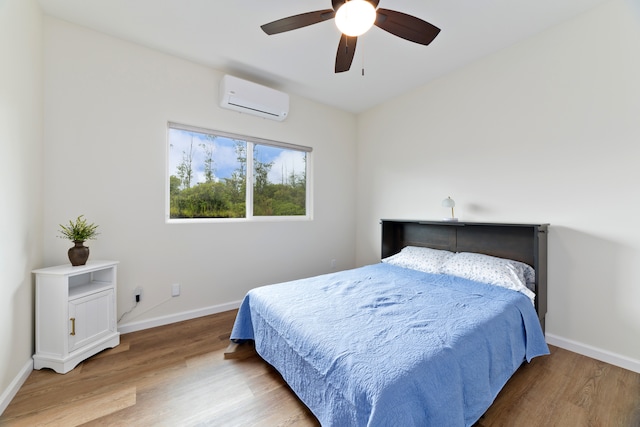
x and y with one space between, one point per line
355 17
448 203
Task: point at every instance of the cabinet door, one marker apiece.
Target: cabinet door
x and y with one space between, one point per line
90 318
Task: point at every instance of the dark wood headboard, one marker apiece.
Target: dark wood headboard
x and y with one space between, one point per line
521 242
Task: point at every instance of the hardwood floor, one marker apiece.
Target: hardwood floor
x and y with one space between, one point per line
176 375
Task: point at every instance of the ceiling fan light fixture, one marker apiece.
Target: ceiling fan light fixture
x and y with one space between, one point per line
355 17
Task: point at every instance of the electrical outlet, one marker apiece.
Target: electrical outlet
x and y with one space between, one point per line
137 295
175 290
333 264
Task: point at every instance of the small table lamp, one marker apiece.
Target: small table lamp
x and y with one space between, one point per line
449 203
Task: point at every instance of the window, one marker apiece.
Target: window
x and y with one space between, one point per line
220 175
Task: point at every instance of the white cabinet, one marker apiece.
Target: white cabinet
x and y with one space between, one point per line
75 313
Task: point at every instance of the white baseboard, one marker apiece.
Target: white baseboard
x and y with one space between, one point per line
14 386
178 317
594 352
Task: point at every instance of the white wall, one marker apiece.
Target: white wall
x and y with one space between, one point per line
545 131
107 103
21 185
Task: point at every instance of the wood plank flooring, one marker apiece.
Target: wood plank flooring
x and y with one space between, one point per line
176 375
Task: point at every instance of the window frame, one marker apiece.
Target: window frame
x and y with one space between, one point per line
250 179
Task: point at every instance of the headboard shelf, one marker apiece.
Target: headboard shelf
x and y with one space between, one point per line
521 242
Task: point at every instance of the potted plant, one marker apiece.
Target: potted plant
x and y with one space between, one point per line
78 232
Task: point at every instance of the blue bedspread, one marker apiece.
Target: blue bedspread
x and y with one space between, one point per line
386 346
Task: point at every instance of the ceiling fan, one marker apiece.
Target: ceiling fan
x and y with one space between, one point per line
400 24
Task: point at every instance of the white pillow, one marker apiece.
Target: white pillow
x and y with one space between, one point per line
426 260
528 272
502 272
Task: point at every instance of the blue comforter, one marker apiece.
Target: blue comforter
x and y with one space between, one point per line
387 346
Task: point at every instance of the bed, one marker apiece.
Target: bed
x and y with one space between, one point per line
386 344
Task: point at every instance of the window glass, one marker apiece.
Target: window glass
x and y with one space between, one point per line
279 184
208 172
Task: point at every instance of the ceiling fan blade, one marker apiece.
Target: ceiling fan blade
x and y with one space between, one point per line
346 50
297 21
406 26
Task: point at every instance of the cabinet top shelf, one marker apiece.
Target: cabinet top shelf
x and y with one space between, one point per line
69 270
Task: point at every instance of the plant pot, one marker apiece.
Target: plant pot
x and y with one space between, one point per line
78 254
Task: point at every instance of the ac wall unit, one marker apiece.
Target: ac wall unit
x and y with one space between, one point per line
251 98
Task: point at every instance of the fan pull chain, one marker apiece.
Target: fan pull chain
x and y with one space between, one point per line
362 57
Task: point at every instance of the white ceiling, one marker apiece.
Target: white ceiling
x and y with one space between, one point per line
226 35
